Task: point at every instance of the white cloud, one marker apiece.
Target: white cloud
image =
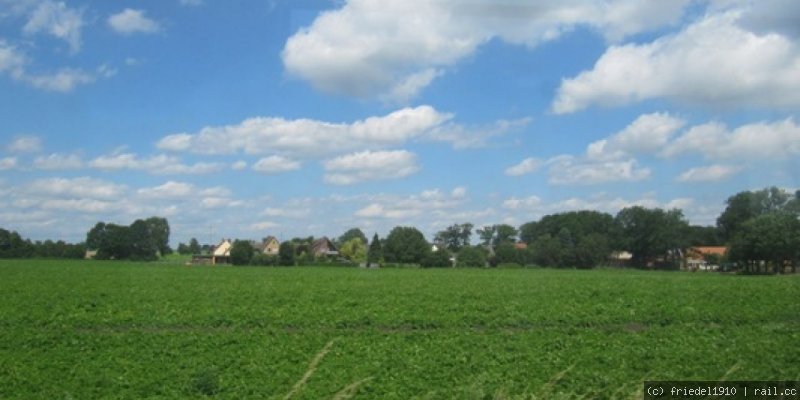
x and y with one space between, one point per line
276 164
91 206
713 62
63 80
529 203
394 49
176 190
58 162
58 20
459 192
603 202
82 187
370 166
292 212
525 167
219 202
130 21
711 173
647 134
7 163
239 165
462 137
25 144
11 60
568 170
159 164
264 225
191 3
306 137
763 141
428 203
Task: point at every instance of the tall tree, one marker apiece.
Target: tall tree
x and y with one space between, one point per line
143 244
159 232
455 236
354 250
773 237
241 252
471 256
505 234
286 254
747 205
650 234
352 233
487 234
375 252
405 245
194 246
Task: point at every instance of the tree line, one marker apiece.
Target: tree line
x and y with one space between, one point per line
12 245
760 228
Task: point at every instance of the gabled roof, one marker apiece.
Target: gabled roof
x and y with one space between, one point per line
709 250
223 249
321 245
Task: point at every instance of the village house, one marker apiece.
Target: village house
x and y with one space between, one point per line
323 247
697 258
222 253
269 246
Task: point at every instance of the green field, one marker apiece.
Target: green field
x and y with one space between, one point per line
86 330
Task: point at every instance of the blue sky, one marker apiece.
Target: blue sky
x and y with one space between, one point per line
297 118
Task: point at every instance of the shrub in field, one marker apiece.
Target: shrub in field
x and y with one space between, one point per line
437 259
264 260
471 256
241 252
405 245
286 254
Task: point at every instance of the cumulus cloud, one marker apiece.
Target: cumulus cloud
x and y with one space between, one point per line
534 205
526 166
82 187
264 225
130 21
7 163
394 49
57 20
569 170
286 212
761 141
14 63
25 144
711 173
11 60
370 166
431 203
176 190
647 134
276 164
713 62
306 137
158 164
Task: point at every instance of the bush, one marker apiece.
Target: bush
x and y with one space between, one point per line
471 256
437 259
241 252
286 254
264 260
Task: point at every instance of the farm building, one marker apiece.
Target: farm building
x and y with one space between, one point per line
697 257
222 253
268 246
323 247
